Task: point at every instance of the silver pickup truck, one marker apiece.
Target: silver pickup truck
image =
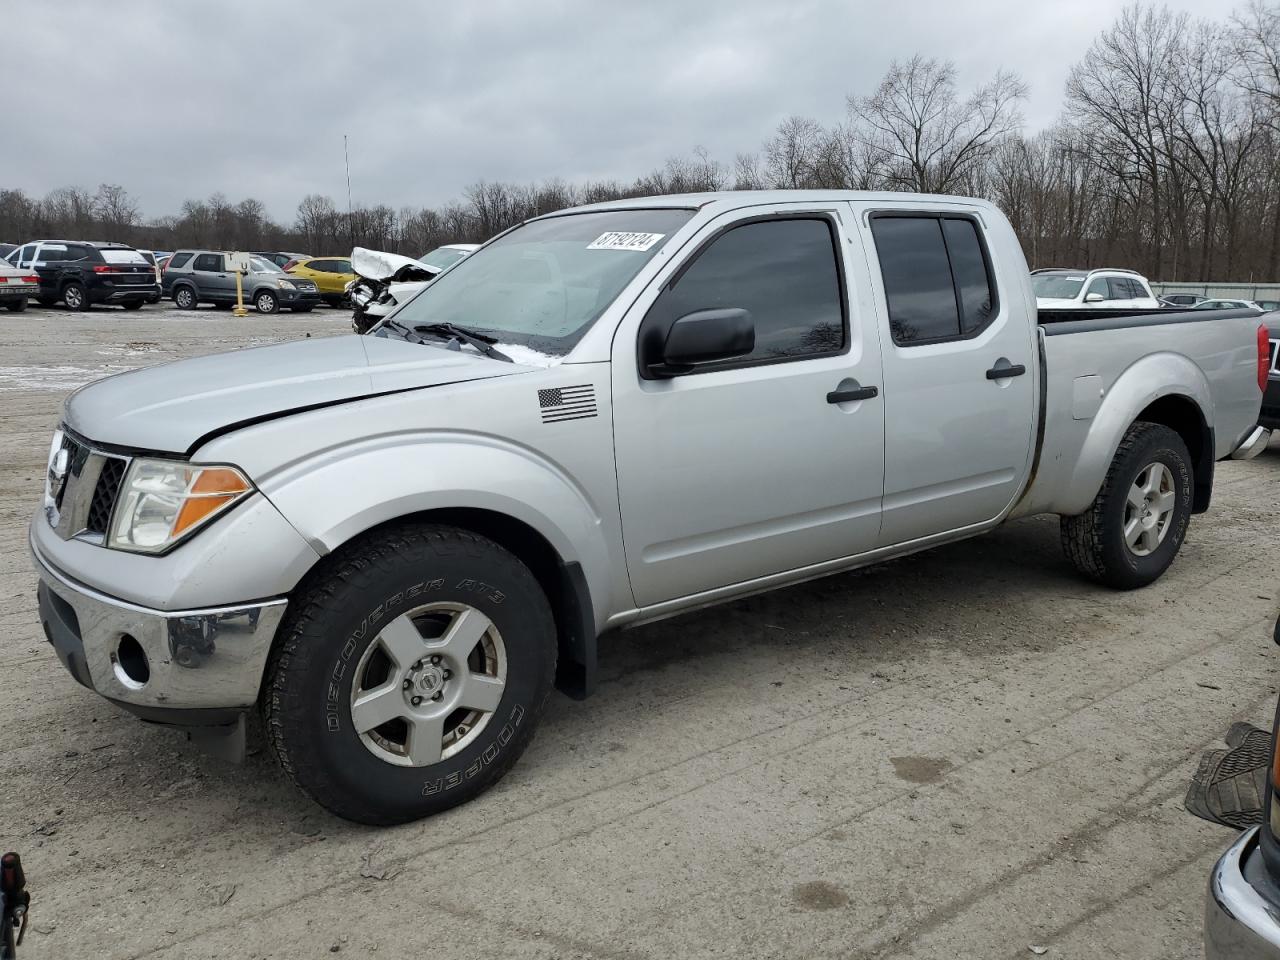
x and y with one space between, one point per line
394 545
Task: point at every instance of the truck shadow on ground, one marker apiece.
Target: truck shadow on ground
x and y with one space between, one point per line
987 596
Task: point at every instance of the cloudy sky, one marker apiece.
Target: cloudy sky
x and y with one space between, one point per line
175 99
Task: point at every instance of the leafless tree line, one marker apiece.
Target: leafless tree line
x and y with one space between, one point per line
1166 158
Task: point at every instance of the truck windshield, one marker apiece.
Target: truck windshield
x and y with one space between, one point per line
1055 286
544 284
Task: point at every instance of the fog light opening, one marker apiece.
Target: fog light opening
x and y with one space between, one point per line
131 666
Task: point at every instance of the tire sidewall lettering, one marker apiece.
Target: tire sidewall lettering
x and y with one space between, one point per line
359 638
449 781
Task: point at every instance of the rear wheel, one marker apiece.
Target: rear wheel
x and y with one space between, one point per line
410 675
133 305
17 306
75 296
1132 531
266 302
184 298
46 301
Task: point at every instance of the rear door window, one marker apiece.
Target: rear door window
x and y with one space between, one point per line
937 277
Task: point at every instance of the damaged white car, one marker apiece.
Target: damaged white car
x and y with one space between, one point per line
386 280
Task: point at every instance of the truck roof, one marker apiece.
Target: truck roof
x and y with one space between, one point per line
733 199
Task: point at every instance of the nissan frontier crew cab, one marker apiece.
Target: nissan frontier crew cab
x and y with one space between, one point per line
394 545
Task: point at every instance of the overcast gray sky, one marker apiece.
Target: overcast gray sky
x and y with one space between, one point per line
251 97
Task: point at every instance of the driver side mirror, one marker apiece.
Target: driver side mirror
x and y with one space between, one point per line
705 336
1093 298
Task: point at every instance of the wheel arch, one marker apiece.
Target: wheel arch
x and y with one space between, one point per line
563 581
1165 388
1184 417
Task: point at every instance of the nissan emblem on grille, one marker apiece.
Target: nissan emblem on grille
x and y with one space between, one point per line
567 403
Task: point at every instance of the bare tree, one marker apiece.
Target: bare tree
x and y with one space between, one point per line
920 135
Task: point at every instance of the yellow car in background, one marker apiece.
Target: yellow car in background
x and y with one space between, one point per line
331 276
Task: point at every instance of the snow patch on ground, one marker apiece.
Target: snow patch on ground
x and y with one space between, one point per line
58 378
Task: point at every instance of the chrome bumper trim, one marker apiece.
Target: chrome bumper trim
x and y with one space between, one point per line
1238 923
209 657
1253 444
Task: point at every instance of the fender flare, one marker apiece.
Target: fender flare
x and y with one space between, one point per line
380 480
1154 377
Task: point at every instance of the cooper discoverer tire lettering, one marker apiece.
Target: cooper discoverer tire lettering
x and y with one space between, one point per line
410 674
1132 531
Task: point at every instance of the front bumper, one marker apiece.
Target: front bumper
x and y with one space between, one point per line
191 660
1239 923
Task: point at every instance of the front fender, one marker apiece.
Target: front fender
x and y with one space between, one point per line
347 490
1149 379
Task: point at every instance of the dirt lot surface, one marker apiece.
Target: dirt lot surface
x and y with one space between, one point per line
966 753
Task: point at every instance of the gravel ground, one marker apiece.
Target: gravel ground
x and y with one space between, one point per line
960 754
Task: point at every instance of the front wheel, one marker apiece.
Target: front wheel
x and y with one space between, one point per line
410 675
266 302
1132 531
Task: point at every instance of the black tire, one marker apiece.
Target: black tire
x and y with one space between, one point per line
76 297
16 306
132 305
335 620
1095 541
46 301
184 297
266 302
303 309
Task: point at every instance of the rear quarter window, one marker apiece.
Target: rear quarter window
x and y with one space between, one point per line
179 260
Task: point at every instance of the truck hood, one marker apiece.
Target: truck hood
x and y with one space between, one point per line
171 406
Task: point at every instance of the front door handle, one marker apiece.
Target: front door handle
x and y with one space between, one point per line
848 396
1000 373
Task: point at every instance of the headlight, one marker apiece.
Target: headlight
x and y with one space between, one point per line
285 284
163 501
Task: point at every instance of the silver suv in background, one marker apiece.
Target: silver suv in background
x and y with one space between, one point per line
1109 287
193 277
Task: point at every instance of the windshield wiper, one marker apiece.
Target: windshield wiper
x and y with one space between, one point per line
478 340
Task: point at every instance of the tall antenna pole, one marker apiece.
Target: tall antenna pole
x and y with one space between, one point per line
351 230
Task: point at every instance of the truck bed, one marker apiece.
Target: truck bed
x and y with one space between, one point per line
1100 368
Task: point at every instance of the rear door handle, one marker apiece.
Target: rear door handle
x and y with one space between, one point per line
1000 373
848 396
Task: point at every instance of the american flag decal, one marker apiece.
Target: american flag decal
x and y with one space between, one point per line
567 403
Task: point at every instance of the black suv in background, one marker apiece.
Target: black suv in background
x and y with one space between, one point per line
193 277
81 273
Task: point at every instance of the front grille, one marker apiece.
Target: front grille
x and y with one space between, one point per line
83 501
104 495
